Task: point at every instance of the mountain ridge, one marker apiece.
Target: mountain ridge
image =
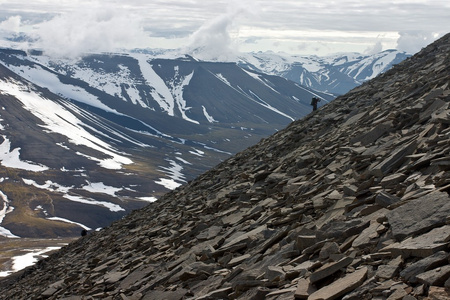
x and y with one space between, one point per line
110 132
335 74
349 202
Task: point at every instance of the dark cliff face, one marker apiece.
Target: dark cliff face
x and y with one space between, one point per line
352 201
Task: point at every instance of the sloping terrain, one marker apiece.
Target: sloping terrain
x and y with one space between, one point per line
85 142
336 74
351 202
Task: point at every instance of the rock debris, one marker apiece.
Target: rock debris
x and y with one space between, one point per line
351 202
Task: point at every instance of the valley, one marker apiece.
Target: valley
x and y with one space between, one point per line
85 142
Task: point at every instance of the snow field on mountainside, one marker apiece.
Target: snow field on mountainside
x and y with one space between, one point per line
6 209
266 105
68 221
111 206
109 82
11 159
160 92
177 92
257 77
174 173
208 116
59 120
51 81
20 262
98 187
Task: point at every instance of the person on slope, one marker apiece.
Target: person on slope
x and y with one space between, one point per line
314 102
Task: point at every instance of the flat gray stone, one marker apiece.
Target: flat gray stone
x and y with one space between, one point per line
328 250
341 230
305 241
392 179
419 215
274 273
422 246
341 286
372 135
238 260
438 259
396 159
304 289
385 199
390 270
329 269
365 238
436 277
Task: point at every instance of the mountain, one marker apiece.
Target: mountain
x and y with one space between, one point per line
350 202
336 74
85 142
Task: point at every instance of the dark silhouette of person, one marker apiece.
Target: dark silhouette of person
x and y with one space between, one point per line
83 232
314 102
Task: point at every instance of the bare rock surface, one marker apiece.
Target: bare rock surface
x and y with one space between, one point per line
351 202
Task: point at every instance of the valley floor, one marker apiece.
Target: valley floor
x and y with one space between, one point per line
17 254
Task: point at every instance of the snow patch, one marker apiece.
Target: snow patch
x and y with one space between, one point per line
148 199
266 105
11 159
6 209
174 173
22 261
197 152
168 183
183 161
160 92
49 186
100 187
258 77
208 116
97 187
111 206
223 79
177 91
68 221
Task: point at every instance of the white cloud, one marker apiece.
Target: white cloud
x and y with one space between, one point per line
376 48
414 41
215 39
12 24
97 29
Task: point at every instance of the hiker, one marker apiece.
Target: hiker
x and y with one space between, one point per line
314 102
84 232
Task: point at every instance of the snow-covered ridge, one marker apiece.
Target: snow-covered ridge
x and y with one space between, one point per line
335 74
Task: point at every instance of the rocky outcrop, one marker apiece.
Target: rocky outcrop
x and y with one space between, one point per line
351 202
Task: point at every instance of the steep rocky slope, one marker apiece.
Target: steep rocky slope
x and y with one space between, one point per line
350 202
84 142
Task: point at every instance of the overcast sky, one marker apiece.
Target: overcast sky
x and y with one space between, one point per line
220 27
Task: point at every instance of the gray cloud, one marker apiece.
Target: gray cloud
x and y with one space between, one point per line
222 26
